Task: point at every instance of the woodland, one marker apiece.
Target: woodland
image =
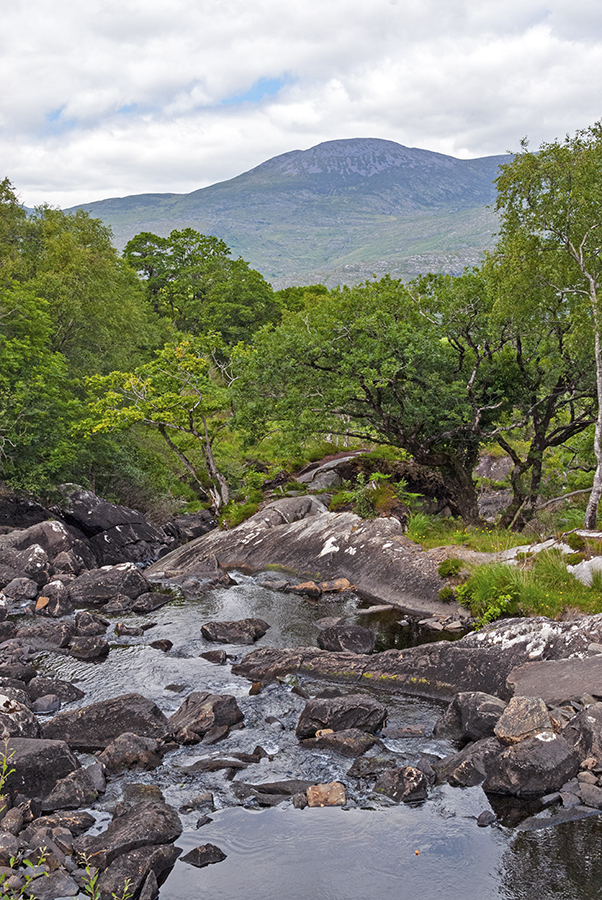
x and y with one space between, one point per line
173 377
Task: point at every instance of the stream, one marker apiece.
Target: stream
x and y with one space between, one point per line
372 846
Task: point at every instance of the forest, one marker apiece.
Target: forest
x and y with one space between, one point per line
173 377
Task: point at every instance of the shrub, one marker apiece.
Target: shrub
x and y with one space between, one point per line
575 541
449 568
447 594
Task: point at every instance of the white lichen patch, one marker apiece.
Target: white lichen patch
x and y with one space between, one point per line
330 547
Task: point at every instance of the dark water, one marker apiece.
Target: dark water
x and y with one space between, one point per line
322 854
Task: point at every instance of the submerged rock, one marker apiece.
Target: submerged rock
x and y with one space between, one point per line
243 631
345 636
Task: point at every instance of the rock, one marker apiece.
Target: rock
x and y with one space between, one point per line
191 526
97 587
150 888
41 686
340 714
201 801
116 533
134 868
486 818
338 586
150 601
54 537
300 535
200 712
129 751
46 705
584 732
38 765
33 563
76 822
558 681
12 822
590 794
17 720
244 631
58 599
349 637
68 563
331 794
43 635
149 822
7 575
128 630
204 855
211 764
163 645
208 573
402 784
307 589
88 648
351 743
524 717
20 590
89 624
56 884
9 848
470 716
75 790
470 766
94 727
537 765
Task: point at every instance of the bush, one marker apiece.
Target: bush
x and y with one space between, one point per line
575 541
447 594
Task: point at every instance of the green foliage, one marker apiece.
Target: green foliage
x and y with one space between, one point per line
575 541
372 497
449 567
447 594
191 279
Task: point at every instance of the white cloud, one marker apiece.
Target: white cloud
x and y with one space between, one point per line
107 98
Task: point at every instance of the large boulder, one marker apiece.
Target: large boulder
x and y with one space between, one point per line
471 765
116 533
129 873
300 535
200 713
470 716
345 636
97 587
41 686
38 765
341 713
151 822
129 751
94 727
536 766
17 720
405 784
584 732
55 538
524 717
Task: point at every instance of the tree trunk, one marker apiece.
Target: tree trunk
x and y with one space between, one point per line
591 513
220 493
458 480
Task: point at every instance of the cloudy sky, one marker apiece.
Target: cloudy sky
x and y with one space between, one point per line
105 98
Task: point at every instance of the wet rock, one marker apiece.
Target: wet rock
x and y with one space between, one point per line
201 801
49 704
351 743
402 784
38 765
41 686
243 631
89 624
349 637
200 712
149 822
88 648
150 601
270 793
94 727
341 713
470 766
203 820
204 855
20 590
130 751
331 794
163 645
44 635
590 794
97 587
219 657
17 720
134 868
118 604
537 765
121 629
470 716
524 717
212 764
486 818
75 790
58 599
12 821
306 588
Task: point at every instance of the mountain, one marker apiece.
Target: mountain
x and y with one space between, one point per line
336 213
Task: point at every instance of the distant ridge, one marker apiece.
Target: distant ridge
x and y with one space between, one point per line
337 212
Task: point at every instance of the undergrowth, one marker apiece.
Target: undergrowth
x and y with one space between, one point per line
432 531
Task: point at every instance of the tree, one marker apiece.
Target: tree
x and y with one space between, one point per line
413 367
552 199
182 395
191 278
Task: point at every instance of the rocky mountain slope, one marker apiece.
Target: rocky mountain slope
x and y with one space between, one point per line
336 213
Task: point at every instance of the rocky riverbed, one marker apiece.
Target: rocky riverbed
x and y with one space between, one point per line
154 749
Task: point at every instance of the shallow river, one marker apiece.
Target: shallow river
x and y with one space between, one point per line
427 851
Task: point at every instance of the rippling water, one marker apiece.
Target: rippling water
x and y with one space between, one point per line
322 854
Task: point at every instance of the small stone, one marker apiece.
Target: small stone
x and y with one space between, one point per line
128 630
590 763
45 705
164 645
218 657
300 800
587 777
486 818
205 855
255 689
569 800
331 794
203 820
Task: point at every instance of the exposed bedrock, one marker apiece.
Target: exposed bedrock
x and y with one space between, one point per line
300 535
490 661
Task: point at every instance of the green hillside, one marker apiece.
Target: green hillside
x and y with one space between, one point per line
337 212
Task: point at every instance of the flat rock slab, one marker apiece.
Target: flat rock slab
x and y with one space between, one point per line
559 680
300 535
38 765
149 822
